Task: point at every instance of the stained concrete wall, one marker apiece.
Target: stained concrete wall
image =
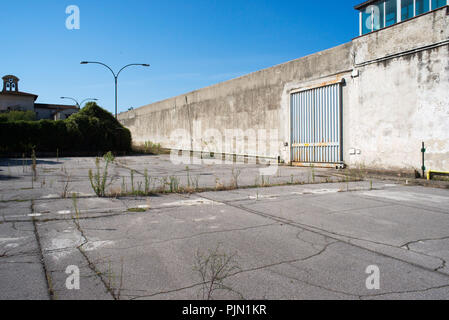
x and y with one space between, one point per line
25 103
399 98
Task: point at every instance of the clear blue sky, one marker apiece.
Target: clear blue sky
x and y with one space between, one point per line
189 44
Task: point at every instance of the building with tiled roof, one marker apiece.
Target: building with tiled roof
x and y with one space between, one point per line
11 99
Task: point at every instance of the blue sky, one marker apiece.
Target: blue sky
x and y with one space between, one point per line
189 44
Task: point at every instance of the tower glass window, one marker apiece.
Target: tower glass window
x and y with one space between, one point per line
438 4
407 9
422 6
391 12
375 15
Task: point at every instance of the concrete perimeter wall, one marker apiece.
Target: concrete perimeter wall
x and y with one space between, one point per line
399 99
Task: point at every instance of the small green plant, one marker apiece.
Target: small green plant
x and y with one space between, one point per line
34 165
152 148
174 184
196 182
133 191
66 184
147 182
188 177
99 180
235 177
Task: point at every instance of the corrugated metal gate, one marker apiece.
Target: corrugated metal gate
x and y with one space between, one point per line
316 125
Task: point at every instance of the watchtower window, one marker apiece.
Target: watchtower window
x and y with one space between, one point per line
375 15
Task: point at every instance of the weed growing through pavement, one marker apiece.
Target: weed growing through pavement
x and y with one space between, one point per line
33 168
66 183
75 205
147 181
174 184
99 180
235 177
213 267
132 182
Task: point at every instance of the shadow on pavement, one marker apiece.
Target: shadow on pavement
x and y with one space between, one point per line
25 162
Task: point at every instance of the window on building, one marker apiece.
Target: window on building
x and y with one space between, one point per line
422 6
390 12
379 15
407 9
373 17
367 26
384 13
438 3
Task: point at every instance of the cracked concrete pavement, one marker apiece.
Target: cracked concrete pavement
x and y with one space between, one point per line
304 241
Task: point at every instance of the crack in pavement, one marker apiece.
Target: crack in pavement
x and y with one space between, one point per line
239 272
91 264
190 237
319 231
443 261
406 291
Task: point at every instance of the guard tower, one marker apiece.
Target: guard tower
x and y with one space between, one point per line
10 83
379 14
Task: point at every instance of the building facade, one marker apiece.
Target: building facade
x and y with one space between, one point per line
370 102
11 99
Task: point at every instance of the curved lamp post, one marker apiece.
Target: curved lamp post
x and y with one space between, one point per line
76 101
116 75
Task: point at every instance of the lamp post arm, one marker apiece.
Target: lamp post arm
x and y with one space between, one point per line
129 65
113 73
76 101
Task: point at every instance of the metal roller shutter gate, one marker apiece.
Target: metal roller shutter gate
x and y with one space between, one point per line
316 126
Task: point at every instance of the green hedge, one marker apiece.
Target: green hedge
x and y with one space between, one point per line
91 130
17 116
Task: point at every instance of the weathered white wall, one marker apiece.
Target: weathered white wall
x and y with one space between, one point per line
26 103
399 99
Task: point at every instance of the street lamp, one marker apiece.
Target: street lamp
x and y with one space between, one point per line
116 75
76 101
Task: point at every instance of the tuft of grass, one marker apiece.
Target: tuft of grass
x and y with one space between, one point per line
66 184
147 182
99 180
174 184
149 148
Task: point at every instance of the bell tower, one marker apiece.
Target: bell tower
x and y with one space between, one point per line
10 83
